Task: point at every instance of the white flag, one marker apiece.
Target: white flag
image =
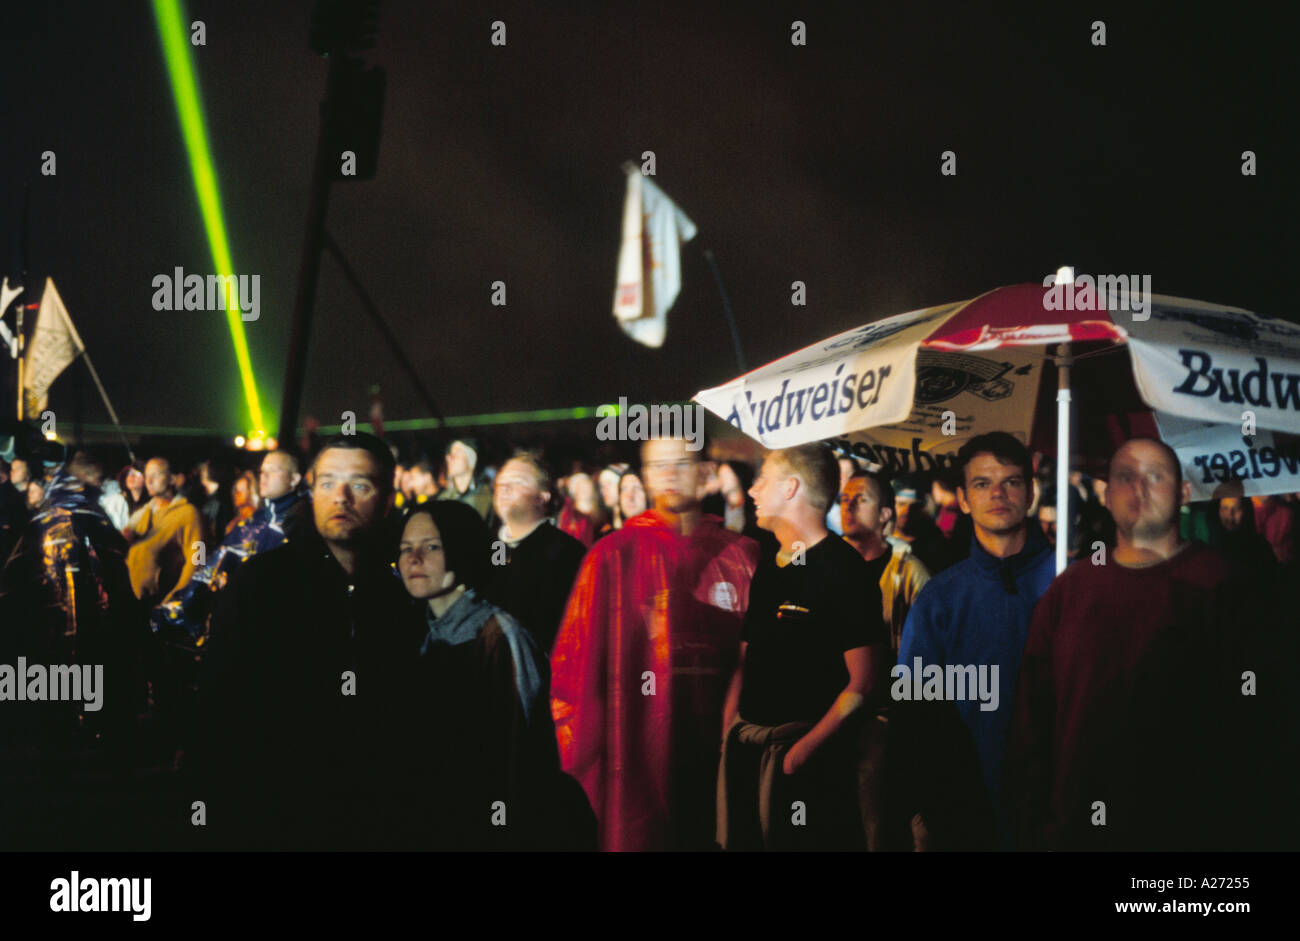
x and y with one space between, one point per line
654 230
53 346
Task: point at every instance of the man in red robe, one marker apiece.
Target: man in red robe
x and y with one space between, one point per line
641 664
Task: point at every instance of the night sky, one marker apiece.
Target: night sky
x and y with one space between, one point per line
818 163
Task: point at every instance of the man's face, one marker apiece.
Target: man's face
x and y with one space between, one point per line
157 478
18 472
421 559
1231 513
421 482
583 493
672 474
860 509
346 496
769 491
457 460
277 477
1142 494
516 496
902 508
996 495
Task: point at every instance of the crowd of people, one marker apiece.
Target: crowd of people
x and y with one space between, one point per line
347 650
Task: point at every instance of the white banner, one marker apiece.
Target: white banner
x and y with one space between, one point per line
53 346
1213 364
654 230
1219 462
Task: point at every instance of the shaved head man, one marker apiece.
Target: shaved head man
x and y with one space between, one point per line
1129 675
164 534
279 475
1145 491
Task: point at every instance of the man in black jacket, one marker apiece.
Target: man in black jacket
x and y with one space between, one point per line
534 562
311 731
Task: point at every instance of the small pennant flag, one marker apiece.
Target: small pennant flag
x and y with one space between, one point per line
654 230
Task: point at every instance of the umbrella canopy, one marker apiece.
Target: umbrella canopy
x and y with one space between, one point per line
907 391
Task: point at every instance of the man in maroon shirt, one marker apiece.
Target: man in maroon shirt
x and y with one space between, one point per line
1130 684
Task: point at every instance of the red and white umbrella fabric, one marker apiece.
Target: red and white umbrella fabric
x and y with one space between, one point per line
907 391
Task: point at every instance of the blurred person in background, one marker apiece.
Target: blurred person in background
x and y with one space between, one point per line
243 493
867 508
608 480
19 473
464 483
581 516
1241 543
216 505
1275 521
534 563
13 512
913 525
631 497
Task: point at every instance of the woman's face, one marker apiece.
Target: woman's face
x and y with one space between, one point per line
241 492
421 560
631 497
134 479
609 487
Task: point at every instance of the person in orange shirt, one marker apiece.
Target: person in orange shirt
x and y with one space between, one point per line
164 536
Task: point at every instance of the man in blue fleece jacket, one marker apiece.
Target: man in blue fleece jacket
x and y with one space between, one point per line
977 613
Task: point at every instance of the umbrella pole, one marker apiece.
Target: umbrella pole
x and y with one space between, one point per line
1063 521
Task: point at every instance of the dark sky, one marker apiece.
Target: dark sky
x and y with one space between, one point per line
817 163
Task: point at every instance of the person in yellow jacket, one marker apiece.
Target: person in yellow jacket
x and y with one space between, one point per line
867 513
165 535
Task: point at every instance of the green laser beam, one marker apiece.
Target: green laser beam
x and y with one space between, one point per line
175 43
410 424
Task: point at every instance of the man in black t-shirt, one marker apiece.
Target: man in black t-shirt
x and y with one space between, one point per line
813 644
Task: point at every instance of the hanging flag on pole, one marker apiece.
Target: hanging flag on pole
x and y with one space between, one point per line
8 337
53 347
654 230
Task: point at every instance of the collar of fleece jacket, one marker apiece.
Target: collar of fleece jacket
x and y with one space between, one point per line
1009 570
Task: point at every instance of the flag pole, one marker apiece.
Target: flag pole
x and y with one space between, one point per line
103 394
22 298
726 309
1064 521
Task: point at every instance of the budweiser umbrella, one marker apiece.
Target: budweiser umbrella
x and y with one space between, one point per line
1219 384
